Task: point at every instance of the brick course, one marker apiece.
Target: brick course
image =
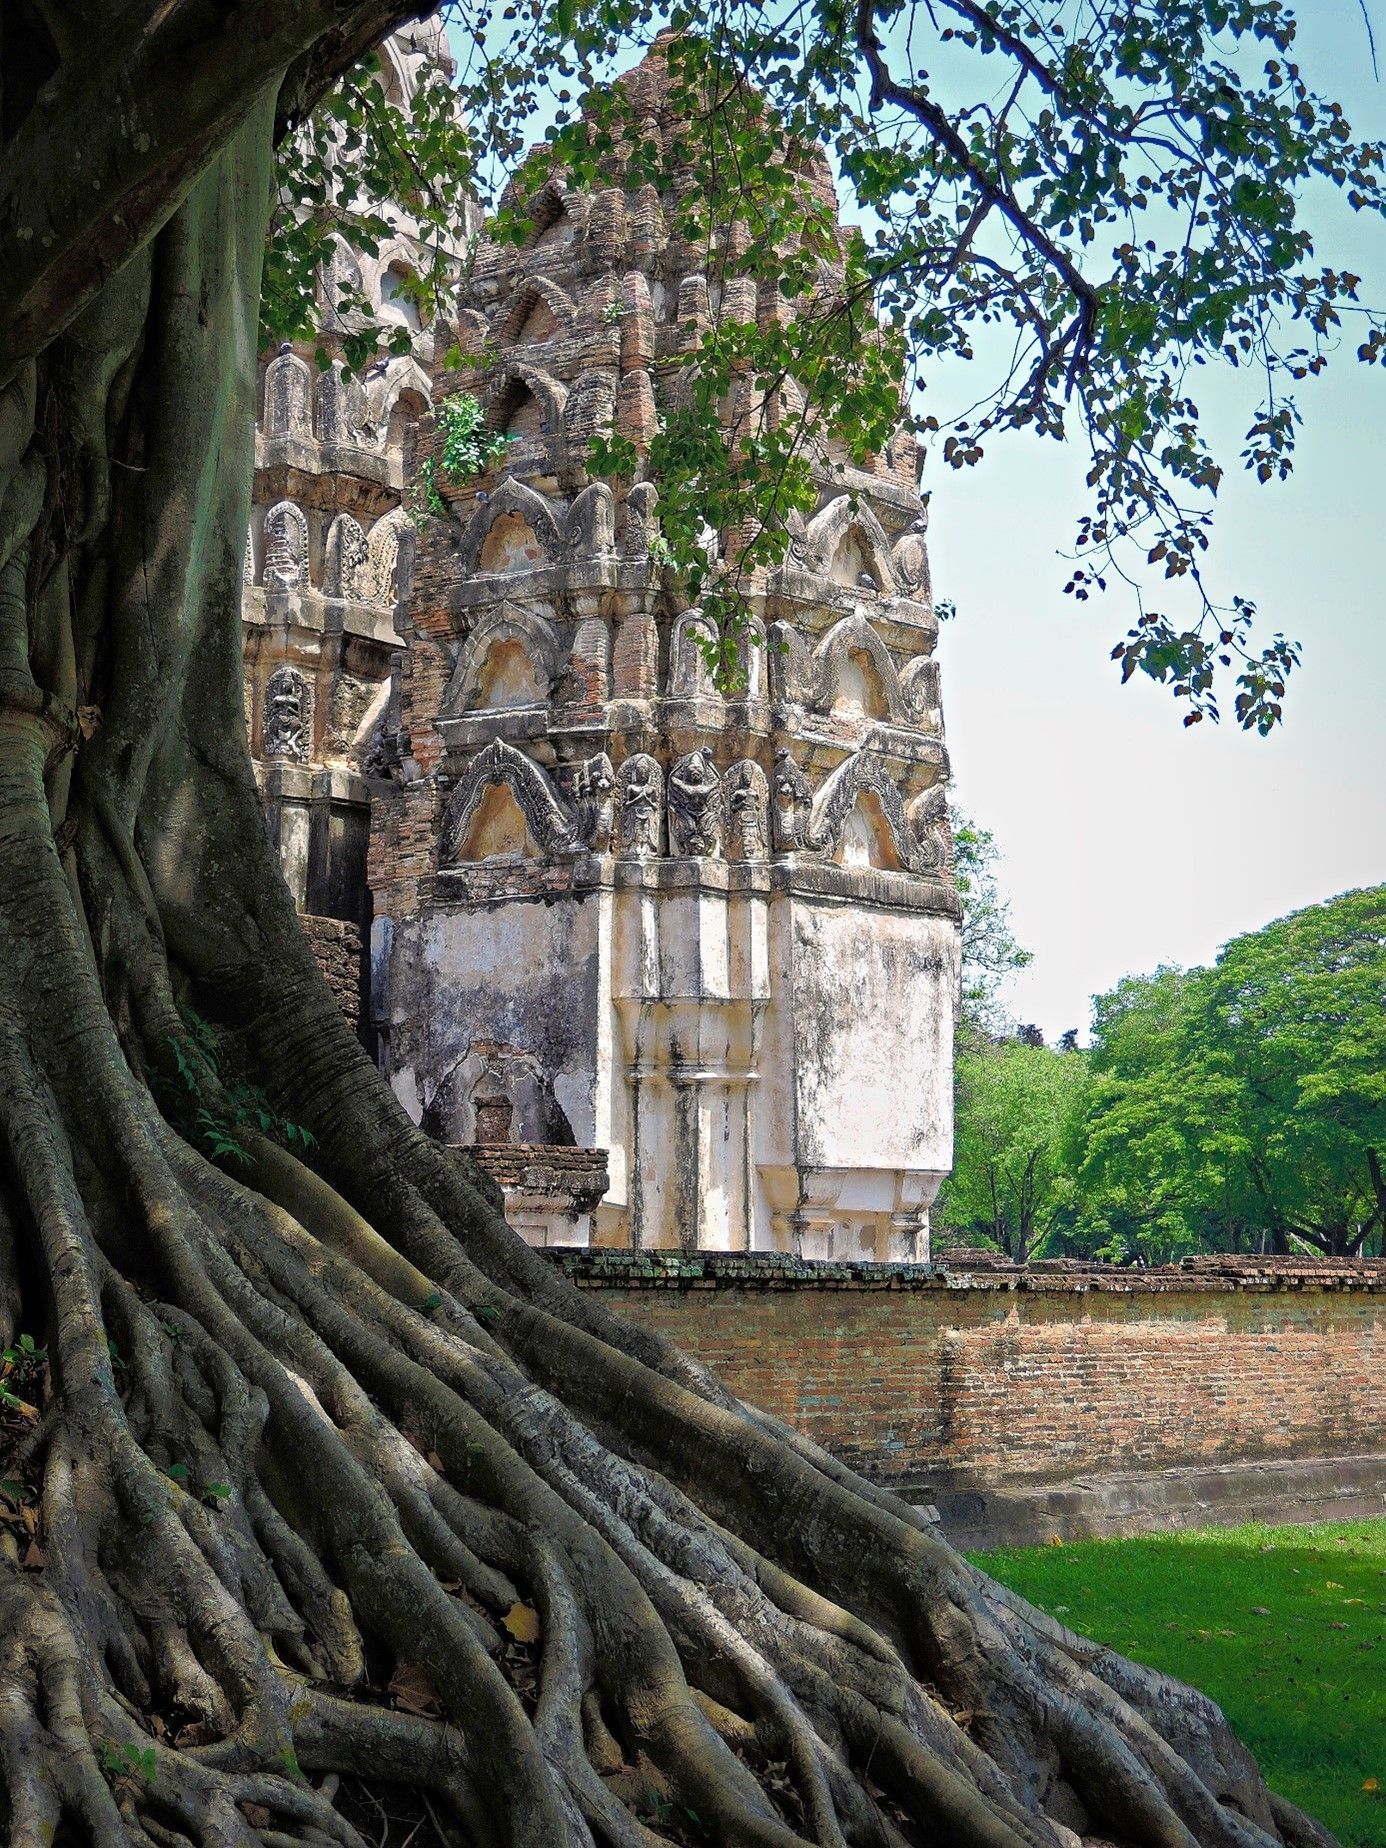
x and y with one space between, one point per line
997 1375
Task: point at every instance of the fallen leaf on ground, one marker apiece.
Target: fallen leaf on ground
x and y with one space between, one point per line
413 1691
522 1621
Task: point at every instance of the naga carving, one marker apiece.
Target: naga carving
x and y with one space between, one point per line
558 827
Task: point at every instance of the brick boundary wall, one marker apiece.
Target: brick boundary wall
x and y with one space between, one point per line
922 1376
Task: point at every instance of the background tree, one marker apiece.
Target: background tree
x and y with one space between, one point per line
307 1419
990 953
1246 1104
1010 1183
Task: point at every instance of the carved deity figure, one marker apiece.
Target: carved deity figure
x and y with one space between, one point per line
695 806
286 715
747 801
594 785
642 797
793 802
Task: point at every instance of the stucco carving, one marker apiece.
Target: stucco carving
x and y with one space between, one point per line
747 794
933 832
547 815
286 547
389 545
829 676
288 395
347 558
837 799
511 497
589 531
286 723
695 806
793 801
640 788
689 674
507 622
594 786
840 520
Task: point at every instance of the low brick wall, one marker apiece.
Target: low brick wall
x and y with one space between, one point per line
919 1375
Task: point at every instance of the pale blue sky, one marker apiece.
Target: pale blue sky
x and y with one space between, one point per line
1127 839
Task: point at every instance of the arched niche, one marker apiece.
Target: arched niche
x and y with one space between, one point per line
497 830
844 540
859 687
867 838
539 310
528 530
511 545
854 673
512 658
397 301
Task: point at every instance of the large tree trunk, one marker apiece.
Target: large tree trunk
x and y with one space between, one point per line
300 1427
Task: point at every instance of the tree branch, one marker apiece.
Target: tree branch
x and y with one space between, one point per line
156 103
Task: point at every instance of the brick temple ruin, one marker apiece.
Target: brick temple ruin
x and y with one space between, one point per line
680 965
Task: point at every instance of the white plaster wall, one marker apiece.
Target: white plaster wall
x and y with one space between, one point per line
521 973
857 1071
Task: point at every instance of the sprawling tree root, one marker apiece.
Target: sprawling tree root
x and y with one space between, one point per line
311 1430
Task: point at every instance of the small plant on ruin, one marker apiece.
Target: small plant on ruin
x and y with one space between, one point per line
469 448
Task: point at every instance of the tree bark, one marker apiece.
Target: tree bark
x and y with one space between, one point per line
303 1430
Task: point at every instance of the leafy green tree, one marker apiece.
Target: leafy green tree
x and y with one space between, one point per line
1010 1184
1244 1106
990 953
314 1420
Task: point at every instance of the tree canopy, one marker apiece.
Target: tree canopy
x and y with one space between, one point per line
1087 203
1009 1182
1249 1097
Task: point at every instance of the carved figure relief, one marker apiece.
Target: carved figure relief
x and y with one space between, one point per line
793 801
640 794
286 547
347 558
285 729
695 806
383 576
594 786
748 803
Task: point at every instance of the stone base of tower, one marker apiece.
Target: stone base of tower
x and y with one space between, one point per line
762 1050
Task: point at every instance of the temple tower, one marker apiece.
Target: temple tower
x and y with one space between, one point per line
709 940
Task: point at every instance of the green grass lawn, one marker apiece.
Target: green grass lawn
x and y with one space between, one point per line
1285 1627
